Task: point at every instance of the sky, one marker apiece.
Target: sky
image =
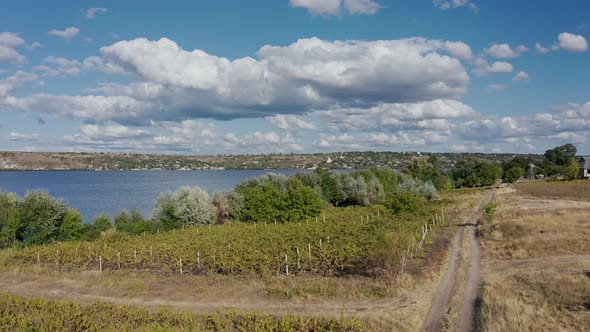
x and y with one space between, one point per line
294 76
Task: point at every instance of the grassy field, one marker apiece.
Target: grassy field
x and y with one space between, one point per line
576 190
537 266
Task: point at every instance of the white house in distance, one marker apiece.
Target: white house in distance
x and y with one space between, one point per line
584 163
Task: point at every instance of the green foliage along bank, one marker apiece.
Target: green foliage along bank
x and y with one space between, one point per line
352 240
36 219
40 314
39 219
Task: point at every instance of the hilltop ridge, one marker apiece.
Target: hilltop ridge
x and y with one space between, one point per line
10 160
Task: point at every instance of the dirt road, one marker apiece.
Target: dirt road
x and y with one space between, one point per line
442 297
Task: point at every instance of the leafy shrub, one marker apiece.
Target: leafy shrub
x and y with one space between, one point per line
41 217
428 171
134 223
10 221
301 202
331 187
93 230
187 206
404 202
375 190
489 209
388 178
271 197
37 219
475 173
355 189
101 223
72 227
416 187
514 174
228 206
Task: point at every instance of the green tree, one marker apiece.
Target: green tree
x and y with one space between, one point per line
561 155
134 223
416 187
41 216
388 178
404 203
355 189
428 171
268 199
514 174
228 206
475 173
187 206
571 170
302 202
10 220
331 186
102 222
561 160
71 227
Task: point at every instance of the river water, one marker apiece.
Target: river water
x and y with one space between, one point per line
113 191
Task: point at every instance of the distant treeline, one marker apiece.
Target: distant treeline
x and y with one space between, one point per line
557 163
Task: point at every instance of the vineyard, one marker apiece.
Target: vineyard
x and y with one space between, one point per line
22 314
343 241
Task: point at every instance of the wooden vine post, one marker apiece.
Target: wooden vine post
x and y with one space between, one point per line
286 264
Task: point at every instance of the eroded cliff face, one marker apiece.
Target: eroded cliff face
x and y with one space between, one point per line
41 161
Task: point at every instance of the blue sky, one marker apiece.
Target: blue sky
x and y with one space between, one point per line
209 77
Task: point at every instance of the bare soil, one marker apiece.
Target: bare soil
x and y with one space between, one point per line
435 320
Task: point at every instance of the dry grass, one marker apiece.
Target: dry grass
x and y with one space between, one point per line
524 228
577 190
536 270
536 302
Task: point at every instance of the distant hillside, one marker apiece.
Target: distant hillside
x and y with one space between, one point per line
113 161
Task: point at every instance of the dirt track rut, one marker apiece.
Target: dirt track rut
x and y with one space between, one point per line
442 297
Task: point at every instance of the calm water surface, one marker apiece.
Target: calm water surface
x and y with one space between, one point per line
113 191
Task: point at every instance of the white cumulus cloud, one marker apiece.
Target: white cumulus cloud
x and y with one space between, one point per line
66 34
448 4
572 43
91 12
504 51
9 42
521 76
566 41
306 75
484 68
289 122
459 50
16 137
335 7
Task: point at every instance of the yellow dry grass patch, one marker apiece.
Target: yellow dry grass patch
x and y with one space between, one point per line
576 190
537 263
524 228
536 302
